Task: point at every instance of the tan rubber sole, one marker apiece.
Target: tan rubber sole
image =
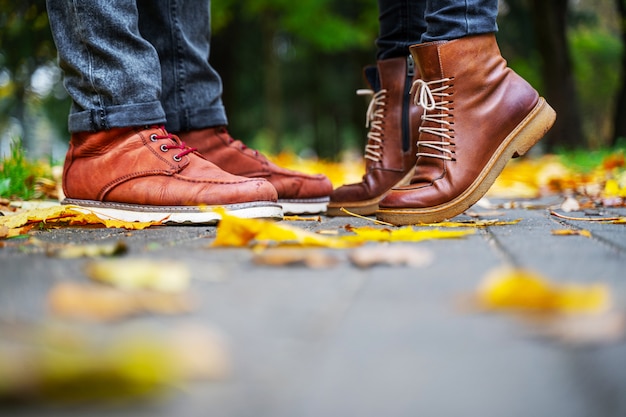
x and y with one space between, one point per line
518 142
365 207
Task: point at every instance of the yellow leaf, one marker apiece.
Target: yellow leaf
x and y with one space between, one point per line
571 232
133 274
404 234
239 232
67 214
519 289
474 223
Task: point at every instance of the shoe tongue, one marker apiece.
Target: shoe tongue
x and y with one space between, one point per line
371 76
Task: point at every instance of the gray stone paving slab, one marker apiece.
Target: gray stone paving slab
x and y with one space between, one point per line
343 341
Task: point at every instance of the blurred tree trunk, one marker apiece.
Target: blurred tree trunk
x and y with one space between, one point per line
549 19
619 123
272 80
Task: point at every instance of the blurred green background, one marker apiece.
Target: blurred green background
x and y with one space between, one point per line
291 69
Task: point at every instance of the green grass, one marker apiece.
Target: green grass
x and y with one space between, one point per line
18 175
584 161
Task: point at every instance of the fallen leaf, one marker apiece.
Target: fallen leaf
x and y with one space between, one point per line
70 251
404 234
591 330
612 220
368 256
100 303
303 219
239 232
316 259
67 215
473 223
571 232
62 364
131 274
512 289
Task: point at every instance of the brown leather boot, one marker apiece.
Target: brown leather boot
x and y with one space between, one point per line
147 174
478 113
298 193
391 148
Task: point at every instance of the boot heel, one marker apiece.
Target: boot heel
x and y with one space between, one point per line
539 122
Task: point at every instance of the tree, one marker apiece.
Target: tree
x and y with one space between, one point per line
25 45
550 26
619 123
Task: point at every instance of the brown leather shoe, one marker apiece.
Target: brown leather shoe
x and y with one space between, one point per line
147 174
478 113
391 148
298 193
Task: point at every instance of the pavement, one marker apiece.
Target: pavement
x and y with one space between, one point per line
347 341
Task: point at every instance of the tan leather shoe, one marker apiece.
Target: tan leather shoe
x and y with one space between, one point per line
478 113
147 174
298 193
391 148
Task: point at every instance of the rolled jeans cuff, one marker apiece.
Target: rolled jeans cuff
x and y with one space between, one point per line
126 115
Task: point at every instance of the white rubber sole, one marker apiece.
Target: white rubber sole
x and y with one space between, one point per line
308 206
176 214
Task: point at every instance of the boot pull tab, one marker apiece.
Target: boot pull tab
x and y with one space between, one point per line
410 66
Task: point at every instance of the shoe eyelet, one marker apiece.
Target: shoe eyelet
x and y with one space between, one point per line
153 137
164 148
177 158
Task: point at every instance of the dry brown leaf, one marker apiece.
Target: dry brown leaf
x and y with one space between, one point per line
393 255
100 303
612 220
316 259
317 219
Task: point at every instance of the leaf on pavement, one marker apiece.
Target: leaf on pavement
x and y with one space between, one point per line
133 274
403 234
70 251
101 303
473 223
512 289
393 255
240 232
312 258
57 363
589 330
67 215
571 232
610 220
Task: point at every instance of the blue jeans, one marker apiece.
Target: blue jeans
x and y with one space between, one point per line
135 63
408 22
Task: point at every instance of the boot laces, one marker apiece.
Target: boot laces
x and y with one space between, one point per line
435 99
176 143
374 118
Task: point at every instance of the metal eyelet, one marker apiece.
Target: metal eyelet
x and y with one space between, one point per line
164 148
177 158
153 137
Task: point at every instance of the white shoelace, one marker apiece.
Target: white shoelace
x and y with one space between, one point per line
426 97
374 120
